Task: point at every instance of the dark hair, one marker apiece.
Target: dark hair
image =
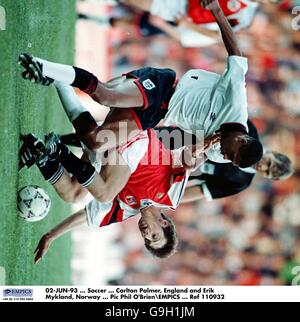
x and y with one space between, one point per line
170 246
284 167
250 152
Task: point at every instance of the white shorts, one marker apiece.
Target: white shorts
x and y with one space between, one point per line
169 10
96 212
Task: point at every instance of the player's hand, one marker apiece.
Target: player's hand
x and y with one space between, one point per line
210 4
209 142
199 149
192 158
42 247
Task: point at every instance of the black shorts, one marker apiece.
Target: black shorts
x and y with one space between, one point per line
157 87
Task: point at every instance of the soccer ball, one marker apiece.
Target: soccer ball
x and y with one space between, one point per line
33 203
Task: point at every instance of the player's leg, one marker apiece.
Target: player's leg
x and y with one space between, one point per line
69 189
53 172
70 139
66 186
122 92
102 188
156 87
116 129
119 127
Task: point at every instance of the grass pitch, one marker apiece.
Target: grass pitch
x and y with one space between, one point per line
45 29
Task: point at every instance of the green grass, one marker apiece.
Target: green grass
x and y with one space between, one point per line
46 29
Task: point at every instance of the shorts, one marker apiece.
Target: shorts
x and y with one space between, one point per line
157 87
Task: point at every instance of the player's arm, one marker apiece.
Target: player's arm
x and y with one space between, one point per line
186 157
76 220
228 36
192 156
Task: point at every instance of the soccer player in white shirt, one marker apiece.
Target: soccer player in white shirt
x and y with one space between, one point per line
201 101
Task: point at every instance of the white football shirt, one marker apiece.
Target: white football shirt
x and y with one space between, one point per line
204 100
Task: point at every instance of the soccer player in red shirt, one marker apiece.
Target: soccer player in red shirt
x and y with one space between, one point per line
155 182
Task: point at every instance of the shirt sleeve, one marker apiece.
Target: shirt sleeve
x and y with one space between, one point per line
236 70
231 89
215 187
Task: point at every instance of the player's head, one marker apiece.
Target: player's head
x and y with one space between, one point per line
274 165
241 149
158 231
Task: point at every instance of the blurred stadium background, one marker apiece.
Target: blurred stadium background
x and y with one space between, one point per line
249 239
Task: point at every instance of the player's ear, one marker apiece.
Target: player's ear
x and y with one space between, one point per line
165 223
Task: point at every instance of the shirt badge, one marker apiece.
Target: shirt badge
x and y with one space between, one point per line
148 84
159 195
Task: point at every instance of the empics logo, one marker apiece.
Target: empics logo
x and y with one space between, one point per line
17 292
2 18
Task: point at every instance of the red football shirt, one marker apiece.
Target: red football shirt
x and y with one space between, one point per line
200 15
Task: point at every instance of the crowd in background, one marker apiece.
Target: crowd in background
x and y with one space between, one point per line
252 238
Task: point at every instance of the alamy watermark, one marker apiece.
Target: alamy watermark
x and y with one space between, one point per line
2 19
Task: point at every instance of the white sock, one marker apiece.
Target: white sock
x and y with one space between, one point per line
60 72
69 100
